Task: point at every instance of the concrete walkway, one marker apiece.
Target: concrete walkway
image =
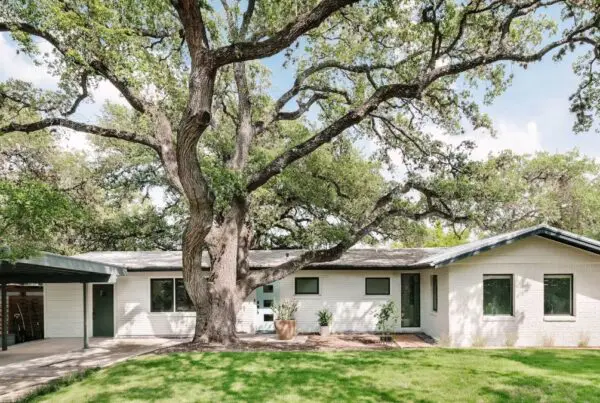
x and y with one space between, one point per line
27 366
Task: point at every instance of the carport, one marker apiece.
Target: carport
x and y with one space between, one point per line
52 268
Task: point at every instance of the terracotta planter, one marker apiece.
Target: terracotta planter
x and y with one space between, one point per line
324 331
286 329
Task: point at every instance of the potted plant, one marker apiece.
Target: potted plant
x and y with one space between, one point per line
387 319
325 317
285 323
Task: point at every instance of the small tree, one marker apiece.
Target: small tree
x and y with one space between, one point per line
387 319
325 317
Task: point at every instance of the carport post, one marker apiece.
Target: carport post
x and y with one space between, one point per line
4 318
85 335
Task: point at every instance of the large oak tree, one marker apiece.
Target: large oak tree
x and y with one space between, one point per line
382 71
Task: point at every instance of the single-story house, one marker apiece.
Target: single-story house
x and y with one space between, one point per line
532 287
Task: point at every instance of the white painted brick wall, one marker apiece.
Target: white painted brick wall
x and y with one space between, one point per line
63 310
527 260
343 293
435 324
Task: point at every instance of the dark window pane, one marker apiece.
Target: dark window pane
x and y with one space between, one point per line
434 292
377 286
558 295
161 295
268 288
307 285
183 303
268 317
267 303
497 295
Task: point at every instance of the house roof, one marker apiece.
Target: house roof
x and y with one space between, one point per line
455 253
52 268
261 259
408 258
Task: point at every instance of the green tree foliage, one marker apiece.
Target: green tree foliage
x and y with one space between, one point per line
32 213
58 200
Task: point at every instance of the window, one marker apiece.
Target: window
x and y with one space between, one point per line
307 285
183 303
558 294
161 293
268 288
498 294
169 295
377 286
268 317
267 303
434 292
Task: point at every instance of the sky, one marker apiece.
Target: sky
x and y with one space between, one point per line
532 115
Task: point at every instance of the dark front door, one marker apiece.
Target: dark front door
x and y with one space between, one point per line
410 300
103 310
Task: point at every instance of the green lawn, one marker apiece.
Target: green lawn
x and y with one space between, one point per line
371 376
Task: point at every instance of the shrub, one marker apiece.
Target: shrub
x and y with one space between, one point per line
584 340
387 318
325 317
286 309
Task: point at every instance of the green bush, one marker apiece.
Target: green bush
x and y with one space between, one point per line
325 317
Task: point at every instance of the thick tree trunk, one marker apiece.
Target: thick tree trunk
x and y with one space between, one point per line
223 298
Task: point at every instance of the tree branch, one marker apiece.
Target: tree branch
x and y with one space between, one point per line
329 133
265 276
97 65
80 127
242 51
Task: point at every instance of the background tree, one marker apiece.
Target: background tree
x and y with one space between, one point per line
64 201
383 71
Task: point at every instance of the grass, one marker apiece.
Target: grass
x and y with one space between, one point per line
427 375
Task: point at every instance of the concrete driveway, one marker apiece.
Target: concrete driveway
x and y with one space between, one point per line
27 366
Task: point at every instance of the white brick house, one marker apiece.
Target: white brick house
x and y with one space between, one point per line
536 286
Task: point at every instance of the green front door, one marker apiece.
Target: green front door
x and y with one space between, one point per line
410 300
103 310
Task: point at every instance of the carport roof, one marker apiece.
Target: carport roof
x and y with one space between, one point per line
52 268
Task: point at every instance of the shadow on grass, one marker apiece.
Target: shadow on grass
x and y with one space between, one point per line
253 377
399 375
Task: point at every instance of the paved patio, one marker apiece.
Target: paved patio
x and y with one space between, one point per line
27 366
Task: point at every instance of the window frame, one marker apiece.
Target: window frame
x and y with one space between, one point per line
512 294
174 295
572 294
389 285
307 293
155 279
434 292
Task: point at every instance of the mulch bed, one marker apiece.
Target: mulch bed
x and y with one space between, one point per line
357 341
